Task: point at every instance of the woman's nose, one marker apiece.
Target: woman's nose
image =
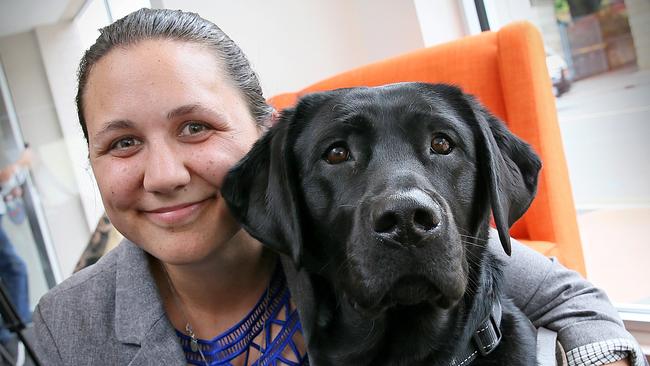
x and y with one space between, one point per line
165 170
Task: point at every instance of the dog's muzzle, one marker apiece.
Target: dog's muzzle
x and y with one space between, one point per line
406 218
413 254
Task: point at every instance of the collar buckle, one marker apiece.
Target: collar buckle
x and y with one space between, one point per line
488 336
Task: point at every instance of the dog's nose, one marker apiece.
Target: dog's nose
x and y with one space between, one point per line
406 217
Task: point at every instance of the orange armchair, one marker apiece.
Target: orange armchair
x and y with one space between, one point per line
506 71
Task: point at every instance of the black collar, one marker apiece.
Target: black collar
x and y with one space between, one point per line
484 340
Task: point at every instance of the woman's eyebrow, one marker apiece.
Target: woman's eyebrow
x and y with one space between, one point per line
120 124
191 108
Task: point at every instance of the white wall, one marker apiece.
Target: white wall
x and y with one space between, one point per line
53 172
441 20
292 44
61 47
386 27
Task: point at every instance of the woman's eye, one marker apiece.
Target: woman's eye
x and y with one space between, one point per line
125 143
193 128
337 154
441 144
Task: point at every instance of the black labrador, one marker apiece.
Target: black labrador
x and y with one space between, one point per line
380 200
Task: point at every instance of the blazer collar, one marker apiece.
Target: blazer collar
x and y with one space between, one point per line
139 314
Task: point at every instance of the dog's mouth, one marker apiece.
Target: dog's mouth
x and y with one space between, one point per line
407 291
412 290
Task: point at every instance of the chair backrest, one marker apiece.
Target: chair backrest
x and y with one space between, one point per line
506 71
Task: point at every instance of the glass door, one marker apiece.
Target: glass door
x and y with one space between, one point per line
25 227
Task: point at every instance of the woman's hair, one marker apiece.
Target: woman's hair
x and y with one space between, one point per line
176 25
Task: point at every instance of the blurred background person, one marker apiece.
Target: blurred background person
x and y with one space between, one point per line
13 270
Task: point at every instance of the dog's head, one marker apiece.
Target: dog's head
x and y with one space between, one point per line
385 192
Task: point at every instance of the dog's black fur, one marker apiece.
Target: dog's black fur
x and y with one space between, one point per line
385 247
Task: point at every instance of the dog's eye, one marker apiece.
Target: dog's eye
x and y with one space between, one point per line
441 144
337 154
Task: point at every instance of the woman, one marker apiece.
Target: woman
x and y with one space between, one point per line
168 103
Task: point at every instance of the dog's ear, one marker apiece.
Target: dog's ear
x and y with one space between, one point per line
262 189
511 167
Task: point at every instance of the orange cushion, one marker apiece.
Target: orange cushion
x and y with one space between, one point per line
506 70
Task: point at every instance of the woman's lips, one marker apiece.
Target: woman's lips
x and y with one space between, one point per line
176 215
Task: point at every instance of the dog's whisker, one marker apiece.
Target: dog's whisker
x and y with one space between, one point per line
468 233
469 245
474 261
473 283
473 258
473 237
480 245
346 206
473 255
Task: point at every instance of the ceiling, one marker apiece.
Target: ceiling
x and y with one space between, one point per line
22 15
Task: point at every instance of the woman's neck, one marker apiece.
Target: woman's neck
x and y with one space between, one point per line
219 291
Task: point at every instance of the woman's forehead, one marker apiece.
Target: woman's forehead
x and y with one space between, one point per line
156 76
152 60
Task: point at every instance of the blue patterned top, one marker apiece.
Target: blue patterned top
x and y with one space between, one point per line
269 335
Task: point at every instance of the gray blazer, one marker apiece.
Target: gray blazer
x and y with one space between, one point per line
111 313
107 314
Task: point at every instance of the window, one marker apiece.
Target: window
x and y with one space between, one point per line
599 59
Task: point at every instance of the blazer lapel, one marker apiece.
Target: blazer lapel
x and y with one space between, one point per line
159 347
140 319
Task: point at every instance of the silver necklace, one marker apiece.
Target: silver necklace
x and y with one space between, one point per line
263 343
194 342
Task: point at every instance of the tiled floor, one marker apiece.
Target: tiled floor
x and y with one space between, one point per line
617 252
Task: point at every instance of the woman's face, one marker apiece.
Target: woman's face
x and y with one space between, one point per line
164 126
